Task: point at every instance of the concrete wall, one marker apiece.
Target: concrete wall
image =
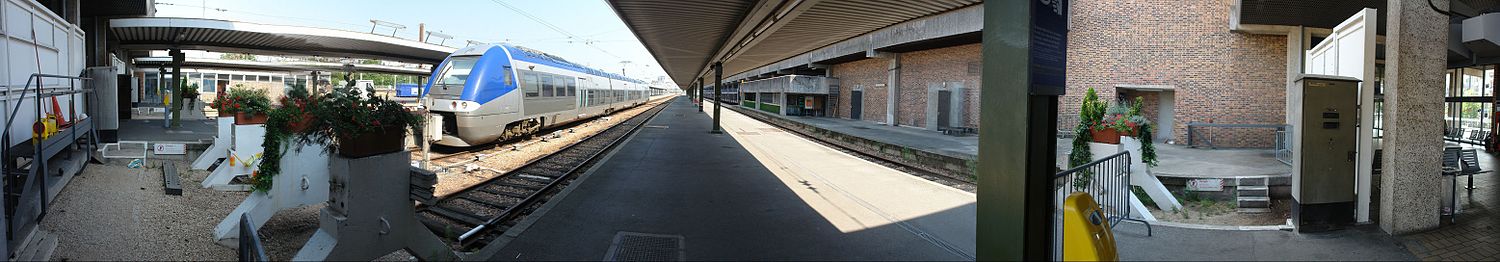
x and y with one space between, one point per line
1218 75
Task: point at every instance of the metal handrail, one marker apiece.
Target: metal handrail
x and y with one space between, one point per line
1108 181
250 248
38 164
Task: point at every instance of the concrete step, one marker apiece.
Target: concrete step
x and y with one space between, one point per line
1254 199
1255 188
1254 210
38 247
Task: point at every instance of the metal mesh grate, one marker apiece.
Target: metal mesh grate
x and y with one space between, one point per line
632 246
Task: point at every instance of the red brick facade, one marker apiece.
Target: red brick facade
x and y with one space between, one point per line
956 66
1217 75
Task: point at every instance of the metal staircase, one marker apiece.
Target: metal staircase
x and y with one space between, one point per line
35 170
1253 194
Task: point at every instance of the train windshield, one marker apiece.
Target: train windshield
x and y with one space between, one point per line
452 81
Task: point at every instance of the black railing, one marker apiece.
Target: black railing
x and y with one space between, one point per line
1195 129
1108 181
250 246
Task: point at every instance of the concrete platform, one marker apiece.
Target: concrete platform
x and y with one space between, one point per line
921 139
752 193
151 130
953 157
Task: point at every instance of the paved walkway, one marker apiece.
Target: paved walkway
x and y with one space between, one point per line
752 193
1180 244
1476 235
965 147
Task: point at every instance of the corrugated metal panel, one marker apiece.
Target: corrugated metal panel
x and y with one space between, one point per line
686 35
682 34
226 36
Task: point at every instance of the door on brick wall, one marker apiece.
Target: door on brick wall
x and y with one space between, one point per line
944 108
856 104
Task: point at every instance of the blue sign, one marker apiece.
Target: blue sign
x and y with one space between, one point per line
1049 47
408 90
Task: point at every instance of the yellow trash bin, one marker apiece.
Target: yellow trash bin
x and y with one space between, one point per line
1086 234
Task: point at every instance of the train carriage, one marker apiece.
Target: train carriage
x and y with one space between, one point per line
485 93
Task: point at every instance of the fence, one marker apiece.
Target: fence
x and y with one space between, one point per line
1108 181
250 246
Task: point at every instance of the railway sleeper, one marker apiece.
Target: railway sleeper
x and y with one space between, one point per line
515 185
450 213
444 227
501 193
483 202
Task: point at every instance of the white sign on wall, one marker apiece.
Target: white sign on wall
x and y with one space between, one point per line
169 149
1206 184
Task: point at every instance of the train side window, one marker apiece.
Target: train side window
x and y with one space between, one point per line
531 82
547 85
508 81
572 87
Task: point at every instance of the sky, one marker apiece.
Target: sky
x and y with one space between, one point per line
602 41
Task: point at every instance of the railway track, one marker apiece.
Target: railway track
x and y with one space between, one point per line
472 217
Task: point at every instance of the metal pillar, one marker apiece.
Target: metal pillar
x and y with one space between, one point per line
893 89
1023 59
177 79
718 94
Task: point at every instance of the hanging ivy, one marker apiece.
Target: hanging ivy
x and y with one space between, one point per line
284 121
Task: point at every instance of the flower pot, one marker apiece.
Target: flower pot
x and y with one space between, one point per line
305 121
243 118
1110 135
225 113
389 139
1107 135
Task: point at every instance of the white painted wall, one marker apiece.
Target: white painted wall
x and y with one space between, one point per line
34 40
1350 51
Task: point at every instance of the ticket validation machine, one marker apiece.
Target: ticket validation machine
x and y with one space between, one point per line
1324 135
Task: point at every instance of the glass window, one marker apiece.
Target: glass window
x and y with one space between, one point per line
265 78
207 87
547 85
223 76
532 83
507 76
237 77
572 87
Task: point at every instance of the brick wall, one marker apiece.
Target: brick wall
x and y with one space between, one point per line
865 73
922 69
1218 75
919 70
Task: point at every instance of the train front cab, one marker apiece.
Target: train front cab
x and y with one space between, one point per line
473 90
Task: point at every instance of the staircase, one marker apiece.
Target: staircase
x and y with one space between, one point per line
1253 194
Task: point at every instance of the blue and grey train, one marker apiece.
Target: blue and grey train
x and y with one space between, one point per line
486 93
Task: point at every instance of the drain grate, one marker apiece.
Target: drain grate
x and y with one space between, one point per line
633 246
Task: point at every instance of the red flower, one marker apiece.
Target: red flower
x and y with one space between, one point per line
377 122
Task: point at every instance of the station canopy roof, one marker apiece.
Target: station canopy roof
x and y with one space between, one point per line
193 62
687 36
160 33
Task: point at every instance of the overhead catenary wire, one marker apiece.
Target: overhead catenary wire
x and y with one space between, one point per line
553 27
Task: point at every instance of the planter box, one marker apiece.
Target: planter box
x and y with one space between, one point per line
1110 135
242 118
391 139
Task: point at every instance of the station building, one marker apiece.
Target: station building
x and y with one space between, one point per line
1198 62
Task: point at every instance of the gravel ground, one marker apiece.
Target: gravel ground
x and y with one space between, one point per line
127 206
505 160
111 212
1223 213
